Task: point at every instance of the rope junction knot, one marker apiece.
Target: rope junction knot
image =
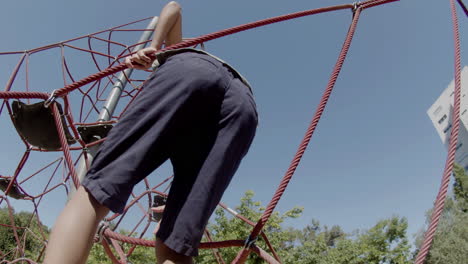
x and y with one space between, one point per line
249 242
51 99
356 5
100 232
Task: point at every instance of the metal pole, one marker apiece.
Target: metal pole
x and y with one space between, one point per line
111 103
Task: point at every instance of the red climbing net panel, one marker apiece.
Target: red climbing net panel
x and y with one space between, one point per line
87 69
39 177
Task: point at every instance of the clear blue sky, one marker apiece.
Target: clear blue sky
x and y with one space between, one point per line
375 152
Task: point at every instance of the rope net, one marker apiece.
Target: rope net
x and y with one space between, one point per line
88 68
35 177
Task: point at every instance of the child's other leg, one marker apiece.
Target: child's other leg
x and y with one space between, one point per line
73 233
166 255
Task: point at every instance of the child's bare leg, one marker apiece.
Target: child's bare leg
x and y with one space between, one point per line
74 230
166 255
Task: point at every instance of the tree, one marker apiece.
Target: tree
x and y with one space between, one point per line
226 228
97 255
386 242
450 244
139 255
460 188
30 234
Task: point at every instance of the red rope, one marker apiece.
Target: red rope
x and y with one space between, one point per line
109 252
462 5
18 95
440 200
215 251
218 244
204 38
243 254
65 147
12 221
151 243
243 218
372 3
22 260
13 75
17 172
75 85
118 249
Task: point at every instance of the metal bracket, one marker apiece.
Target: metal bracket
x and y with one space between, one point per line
356 6
249 242
100 232
94 132
51 99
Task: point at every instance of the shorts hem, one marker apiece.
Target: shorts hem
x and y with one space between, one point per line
94 187
178 245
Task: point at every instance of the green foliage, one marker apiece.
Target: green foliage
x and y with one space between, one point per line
450 244
139 255
31 234
224 228
460 187
386 242
227 228
97 255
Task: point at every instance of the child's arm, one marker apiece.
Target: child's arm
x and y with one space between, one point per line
168 31
169 28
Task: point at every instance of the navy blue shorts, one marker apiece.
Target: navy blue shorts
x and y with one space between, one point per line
199 115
